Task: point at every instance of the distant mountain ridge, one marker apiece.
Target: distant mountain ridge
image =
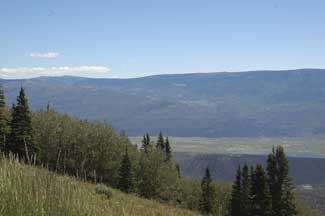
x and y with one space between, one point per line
226 104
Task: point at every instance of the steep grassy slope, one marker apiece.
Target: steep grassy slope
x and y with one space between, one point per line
248 104
27 190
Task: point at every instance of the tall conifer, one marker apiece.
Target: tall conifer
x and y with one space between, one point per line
168 150
126 178
21 141
235 201
146 143
208 196
3 120
161 142
261 198
280 184
245 192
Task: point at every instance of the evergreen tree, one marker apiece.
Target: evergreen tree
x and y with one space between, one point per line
178 169
21 141
146 143
126 178
235 201
160 142
3 120
245 192
283 201
208 196
168 150
261 198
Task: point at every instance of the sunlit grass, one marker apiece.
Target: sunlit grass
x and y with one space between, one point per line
29 190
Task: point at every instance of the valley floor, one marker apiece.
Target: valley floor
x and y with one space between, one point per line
295 146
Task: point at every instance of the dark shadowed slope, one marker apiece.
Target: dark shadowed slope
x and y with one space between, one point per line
248 104
223 167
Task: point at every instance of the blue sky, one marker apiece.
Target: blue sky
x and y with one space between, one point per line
137 38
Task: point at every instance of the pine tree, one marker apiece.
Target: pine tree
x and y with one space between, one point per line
20 137
235 201
208 197
146 143
3 120
245 192
283 201
160 142
178 169
126 178
168 150
261 198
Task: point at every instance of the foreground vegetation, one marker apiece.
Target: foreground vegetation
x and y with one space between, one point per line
30 190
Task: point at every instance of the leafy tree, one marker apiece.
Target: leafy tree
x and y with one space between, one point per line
283 201
21 140
126 178
208 196
261 198
245 198
235 200
148 175
160 142
3 120
168 150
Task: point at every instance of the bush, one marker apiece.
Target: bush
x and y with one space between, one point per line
103 189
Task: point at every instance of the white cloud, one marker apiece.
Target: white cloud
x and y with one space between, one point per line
29 72
44 55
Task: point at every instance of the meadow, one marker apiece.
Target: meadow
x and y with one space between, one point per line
30 190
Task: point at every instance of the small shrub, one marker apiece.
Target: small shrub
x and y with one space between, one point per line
104 190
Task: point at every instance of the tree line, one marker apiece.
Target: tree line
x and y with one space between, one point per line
264 192
93 151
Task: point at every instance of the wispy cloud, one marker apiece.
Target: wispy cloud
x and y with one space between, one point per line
44 55
29 72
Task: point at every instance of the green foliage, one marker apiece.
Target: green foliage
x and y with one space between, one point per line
160 142
126 177
3 120
235 201
208 196
281 188
146 143
264 194
103 189
168 150
261 198
245 198
30 190
21 138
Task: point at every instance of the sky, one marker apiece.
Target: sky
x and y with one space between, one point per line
133 38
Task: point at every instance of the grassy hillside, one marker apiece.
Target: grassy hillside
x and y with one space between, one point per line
248 104
28 190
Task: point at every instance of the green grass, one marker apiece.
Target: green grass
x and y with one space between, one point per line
28 190
304 145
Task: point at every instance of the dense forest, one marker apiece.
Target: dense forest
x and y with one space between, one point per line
94 152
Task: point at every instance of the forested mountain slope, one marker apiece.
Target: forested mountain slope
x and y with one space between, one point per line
247 104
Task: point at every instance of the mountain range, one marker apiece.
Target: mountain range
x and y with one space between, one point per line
236 104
